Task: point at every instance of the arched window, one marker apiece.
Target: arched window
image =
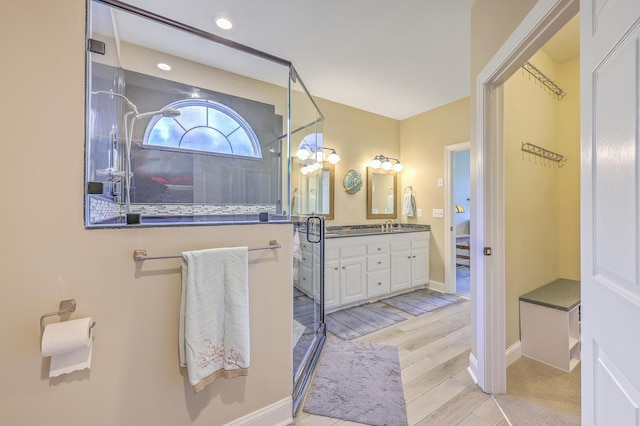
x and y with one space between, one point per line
203 126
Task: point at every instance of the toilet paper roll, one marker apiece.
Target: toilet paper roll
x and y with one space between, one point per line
69 344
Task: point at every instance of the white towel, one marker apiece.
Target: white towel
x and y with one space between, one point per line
390 204
409 205
213 336
297 252
295 204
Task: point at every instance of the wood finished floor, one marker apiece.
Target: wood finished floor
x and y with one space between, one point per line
434 356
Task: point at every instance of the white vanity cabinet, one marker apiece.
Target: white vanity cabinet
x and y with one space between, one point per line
368 268
409 263
378 269
343 278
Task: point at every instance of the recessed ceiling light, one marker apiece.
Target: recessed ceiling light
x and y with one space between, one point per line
164 67
223 22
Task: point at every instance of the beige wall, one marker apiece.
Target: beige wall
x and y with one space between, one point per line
542 212
568 191
357 136
46 256
423 138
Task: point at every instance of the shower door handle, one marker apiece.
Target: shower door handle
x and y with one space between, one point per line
314 229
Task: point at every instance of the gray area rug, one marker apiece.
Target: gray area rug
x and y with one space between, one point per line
359 382
358 321
421 301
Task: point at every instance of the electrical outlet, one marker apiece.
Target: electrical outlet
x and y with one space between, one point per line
440 182
438 212
419 212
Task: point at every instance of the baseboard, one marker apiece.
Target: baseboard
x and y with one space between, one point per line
437 286
514 352
276 414
473 368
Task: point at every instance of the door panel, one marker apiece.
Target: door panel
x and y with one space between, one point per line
610 57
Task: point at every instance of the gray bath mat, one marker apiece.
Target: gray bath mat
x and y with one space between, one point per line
421 301
359 382
355 322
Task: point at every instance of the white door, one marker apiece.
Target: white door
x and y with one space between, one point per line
610 86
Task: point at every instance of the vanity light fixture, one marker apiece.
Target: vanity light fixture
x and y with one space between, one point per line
305 153
164 67
384 162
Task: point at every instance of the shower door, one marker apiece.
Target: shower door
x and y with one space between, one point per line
308 302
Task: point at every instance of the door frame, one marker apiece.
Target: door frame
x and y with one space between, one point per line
487 361
449 221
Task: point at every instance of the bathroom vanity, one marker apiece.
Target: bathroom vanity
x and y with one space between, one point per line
364 263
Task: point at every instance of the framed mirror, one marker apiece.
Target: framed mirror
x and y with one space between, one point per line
382 194
314 192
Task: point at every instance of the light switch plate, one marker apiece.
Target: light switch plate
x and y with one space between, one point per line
440 182
438 212
419 212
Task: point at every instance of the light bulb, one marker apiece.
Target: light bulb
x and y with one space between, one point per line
398 167
316 166
303 154
333 158
387 165
304 170
223 23
376 163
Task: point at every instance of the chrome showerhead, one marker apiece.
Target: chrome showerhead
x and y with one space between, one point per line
167 112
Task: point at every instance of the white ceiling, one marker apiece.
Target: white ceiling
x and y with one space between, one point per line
396 59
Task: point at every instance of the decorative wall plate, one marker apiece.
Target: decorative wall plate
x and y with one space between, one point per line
352 181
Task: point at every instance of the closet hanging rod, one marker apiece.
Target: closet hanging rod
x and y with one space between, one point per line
141 254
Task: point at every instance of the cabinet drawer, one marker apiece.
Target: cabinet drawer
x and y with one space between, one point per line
305 245
378 283
331 254
420 244
400 246
352 251
378 262
377 248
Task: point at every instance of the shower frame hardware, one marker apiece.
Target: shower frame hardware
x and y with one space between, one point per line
544 153
540 76
140 255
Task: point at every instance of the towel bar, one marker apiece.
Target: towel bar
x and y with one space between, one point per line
141 254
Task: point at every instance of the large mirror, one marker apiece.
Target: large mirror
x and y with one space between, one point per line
382 193
314 192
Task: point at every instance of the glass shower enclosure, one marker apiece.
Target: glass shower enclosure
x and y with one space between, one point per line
184 127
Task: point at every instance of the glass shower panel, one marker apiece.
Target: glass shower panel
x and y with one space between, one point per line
206 141
308 288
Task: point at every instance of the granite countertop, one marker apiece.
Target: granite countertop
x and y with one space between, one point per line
560 294
363 230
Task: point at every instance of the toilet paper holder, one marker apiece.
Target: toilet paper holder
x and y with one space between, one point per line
66 307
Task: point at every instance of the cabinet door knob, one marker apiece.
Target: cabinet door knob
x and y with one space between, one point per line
408 257
379 263
344 267
379 283
336 268
379 248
